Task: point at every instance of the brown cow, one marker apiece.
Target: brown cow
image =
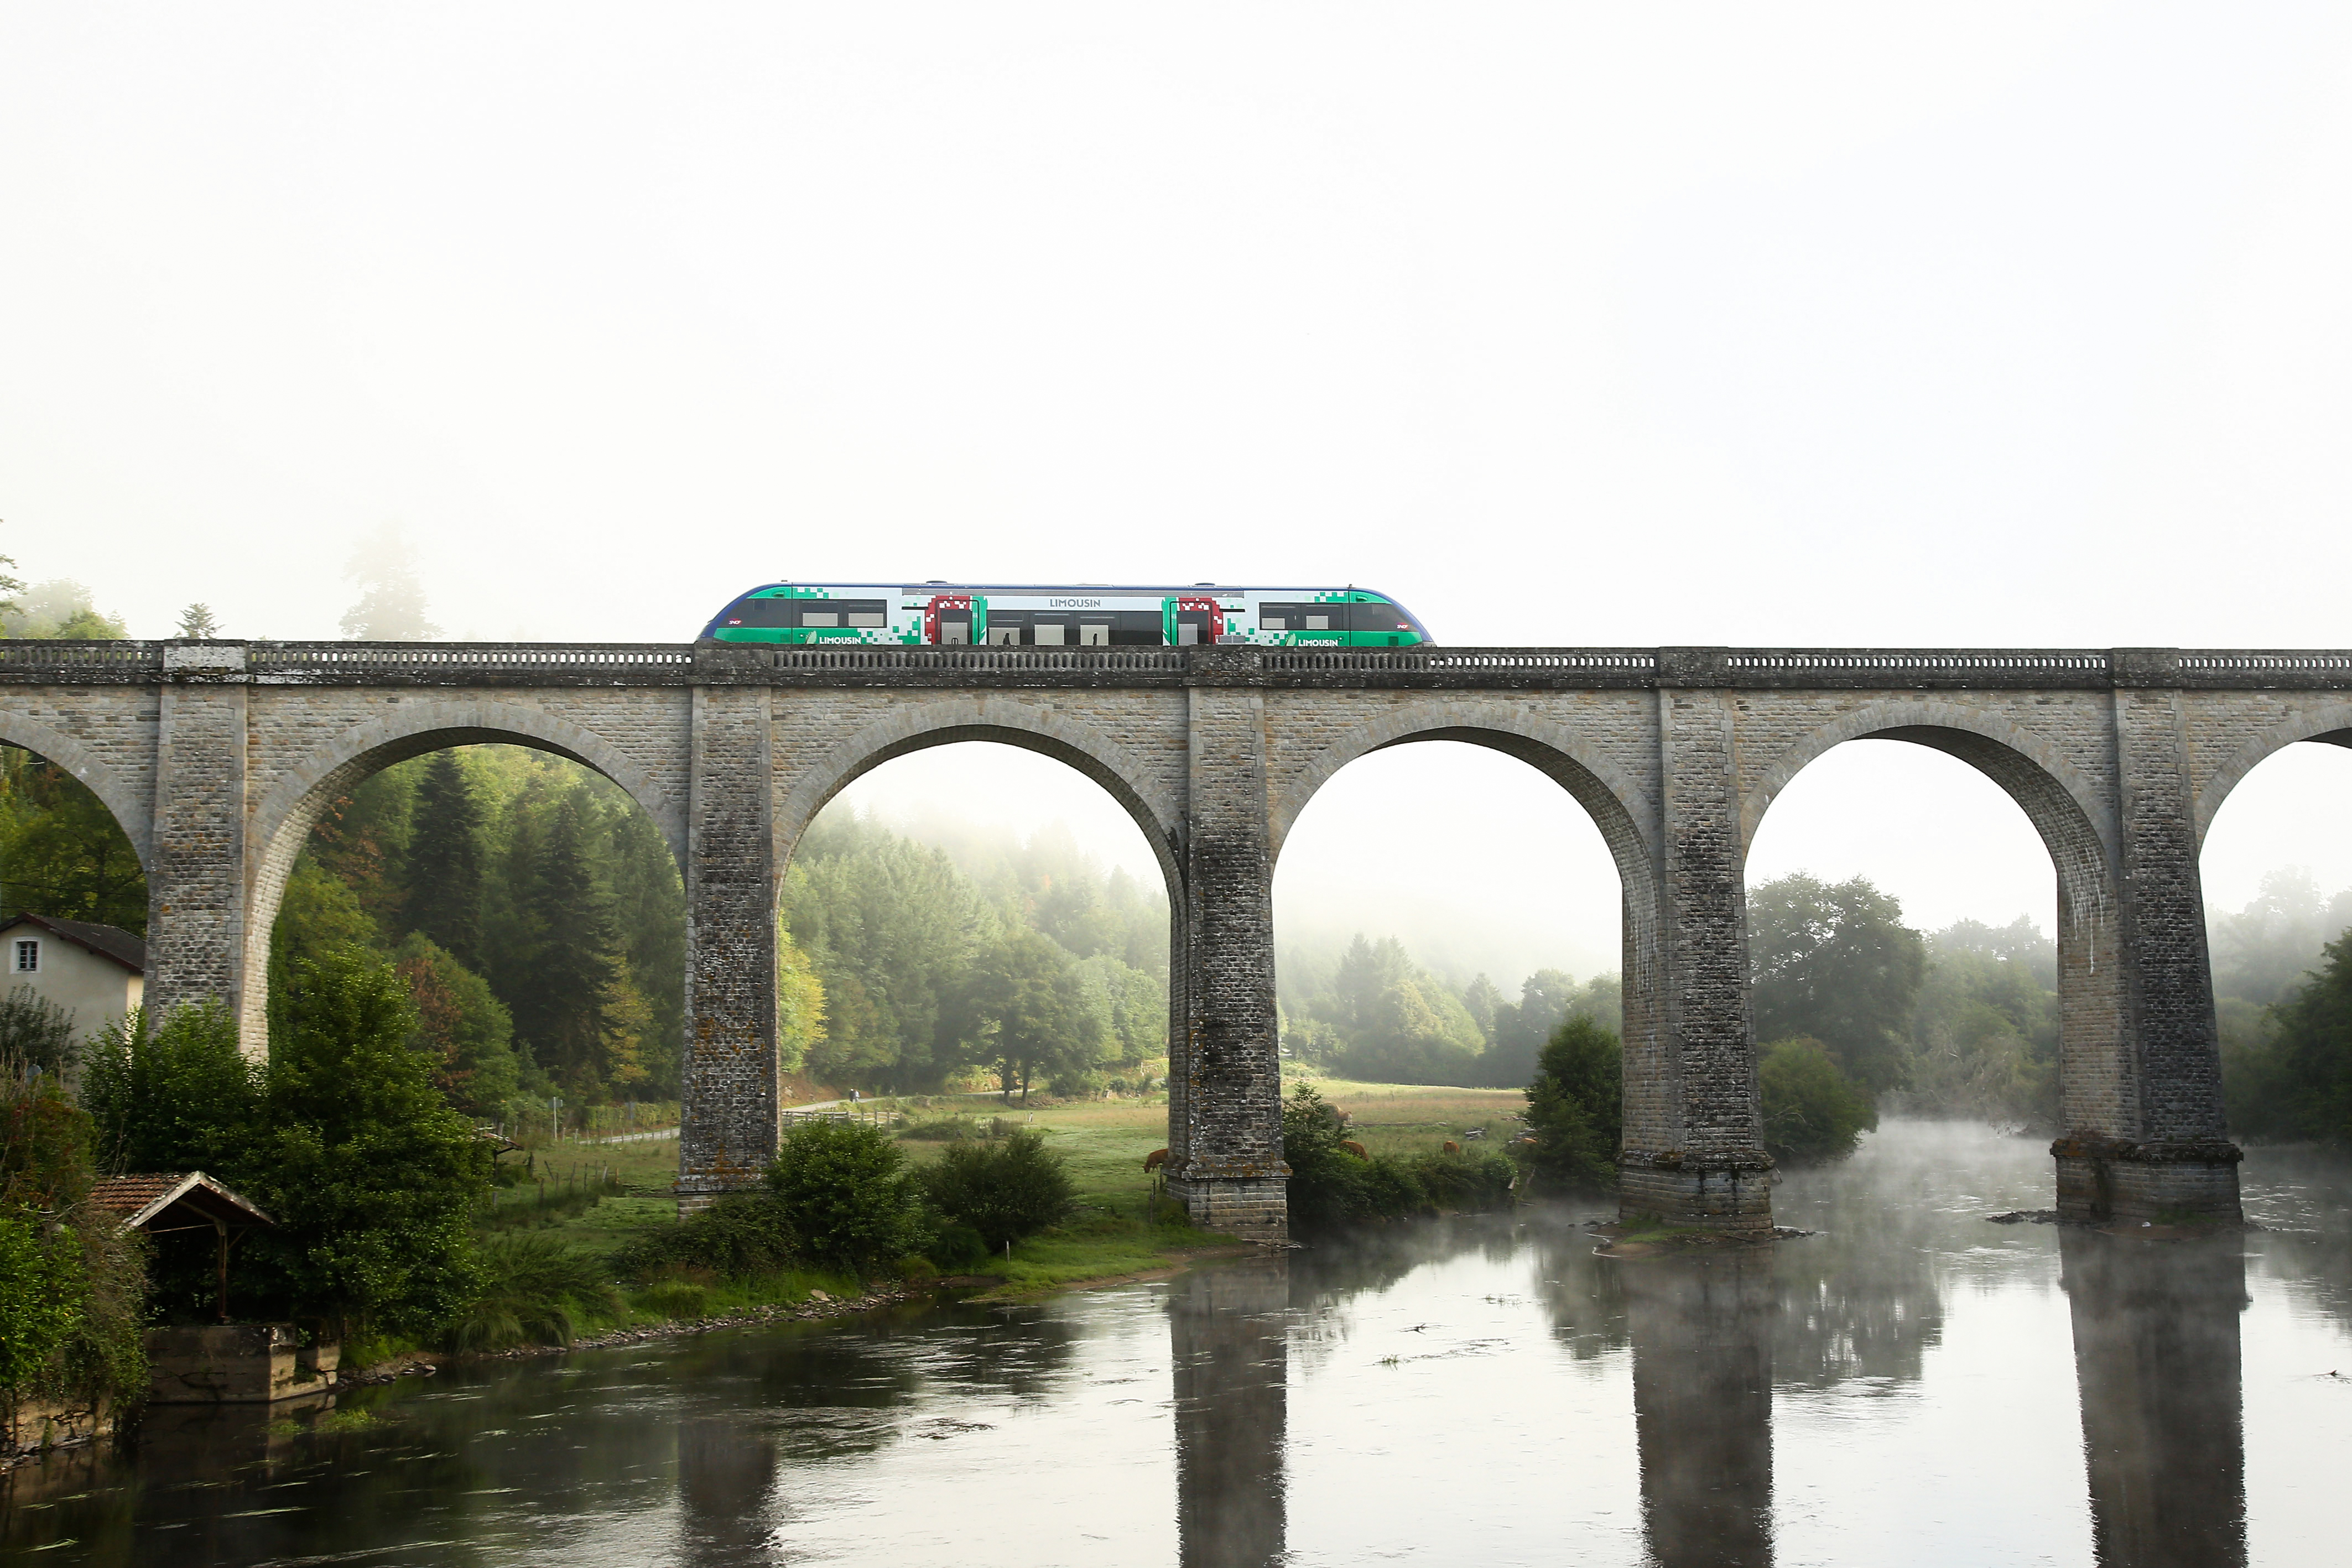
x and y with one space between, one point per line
1451 1147
1154 1160
1355 1148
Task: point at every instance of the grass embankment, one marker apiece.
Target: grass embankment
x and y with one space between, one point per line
1405 1119
595 1198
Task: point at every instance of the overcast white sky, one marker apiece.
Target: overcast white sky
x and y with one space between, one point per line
1567 324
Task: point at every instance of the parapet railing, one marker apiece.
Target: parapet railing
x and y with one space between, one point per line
2257 662
1923 661
35 653
272 657
1305 660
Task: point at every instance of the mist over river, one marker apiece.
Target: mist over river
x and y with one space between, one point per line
1911 1384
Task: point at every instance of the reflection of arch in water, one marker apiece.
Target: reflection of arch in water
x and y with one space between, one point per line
2157 1361
2076 826
133 811
1229 1364
281 823
1702 1334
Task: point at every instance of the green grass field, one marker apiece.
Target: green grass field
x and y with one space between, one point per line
1121 1228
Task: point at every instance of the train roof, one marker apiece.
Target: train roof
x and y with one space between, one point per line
901 586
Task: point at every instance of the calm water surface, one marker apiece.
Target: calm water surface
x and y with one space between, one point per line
1910 1386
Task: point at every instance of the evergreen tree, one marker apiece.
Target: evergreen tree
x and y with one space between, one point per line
562 1004
445 859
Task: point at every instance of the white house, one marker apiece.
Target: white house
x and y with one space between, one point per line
97 973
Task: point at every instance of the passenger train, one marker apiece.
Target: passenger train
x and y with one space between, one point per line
1002 615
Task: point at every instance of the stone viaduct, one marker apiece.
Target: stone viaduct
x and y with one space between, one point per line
218 757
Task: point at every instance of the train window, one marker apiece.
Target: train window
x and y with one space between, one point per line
955 630
763 612
1302 618
820 618
1003 636
1048 636
869 618
1094 633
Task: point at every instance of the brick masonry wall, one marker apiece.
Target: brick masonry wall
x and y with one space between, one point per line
729 1065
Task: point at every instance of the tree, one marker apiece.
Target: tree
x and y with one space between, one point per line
72 1292
1576 1105
462 1027
800 1003
391 607
61 850
1836 964
1030 1010
372 1176
561 1004
178 1096
59 610
2309 1066
443 863
1813 1111
1006 1189
846 1193
196 620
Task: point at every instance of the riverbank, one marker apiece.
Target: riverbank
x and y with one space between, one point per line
1124 1228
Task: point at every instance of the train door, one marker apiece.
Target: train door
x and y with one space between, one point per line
1189 621
955 619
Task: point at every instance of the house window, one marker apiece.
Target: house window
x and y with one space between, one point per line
28 957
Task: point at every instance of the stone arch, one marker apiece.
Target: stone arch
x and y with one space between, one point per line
2098 1075
2074 818
134 816
280 824
1618 806
1037 728
2330 724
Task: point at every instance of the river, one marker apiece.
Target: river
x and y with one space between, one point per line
1910 1384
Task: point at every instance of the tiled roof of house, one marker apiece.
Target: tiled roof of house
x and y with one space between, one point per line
106 941
144 1199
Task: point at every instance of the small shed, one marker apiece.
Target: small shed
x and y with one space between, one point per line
167 1202
95 972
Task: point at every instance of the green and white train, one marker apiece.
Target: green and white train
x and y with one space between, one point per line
1004 615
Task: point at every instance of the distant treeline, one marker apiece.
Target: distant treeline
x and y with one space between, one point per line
1960 1021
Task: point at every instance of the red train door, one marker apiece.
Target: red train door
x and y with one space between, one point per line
947 620
1191 621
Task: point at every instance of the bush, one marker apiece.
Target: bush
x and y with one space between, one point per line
676 1296
36 1031
181 1097
1477 1179
1812 1110
1085 1084
535 1290
738 1237
1330 1188
1006 1189
1576 1106
942 1130
844 1191
72 1287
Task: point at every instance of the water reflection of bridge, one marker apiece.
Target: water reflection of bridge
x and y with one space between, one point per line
2155 1355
